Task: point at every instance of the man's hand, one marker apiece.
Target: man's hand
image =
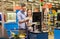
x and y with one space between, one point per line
25 20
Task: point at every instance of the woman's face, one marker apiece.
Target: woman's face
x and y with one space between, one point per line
29 12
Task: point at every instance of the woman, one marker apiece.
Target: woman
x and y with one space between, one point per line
29 23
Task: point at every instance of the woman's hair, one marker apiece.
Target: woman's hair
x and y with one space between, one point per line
29 9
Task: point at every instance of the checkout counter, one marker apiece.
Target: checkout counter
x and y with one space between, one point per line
37 32
56 33
57 29
41 35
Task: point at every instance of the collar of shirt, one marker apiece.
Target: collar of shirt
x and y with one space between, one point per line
22 12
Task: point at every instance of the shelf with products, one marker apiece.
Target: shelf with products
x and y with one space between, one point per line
53 2
36 6
52 18
29 6
7 5
29 0
53 21
32 4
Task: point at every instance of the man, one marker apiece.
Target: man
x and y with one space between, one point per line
22 17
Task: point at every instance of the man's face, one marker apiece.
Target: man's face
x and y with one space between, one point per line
24 8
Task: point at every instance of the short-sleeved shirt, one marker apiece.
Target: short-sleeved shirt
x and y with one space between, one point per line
21 16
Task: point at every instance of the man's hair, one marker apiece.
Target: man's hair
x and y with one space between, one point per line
22 4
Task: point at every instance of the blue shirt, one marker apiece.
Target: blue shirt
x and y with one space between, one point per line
21 16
